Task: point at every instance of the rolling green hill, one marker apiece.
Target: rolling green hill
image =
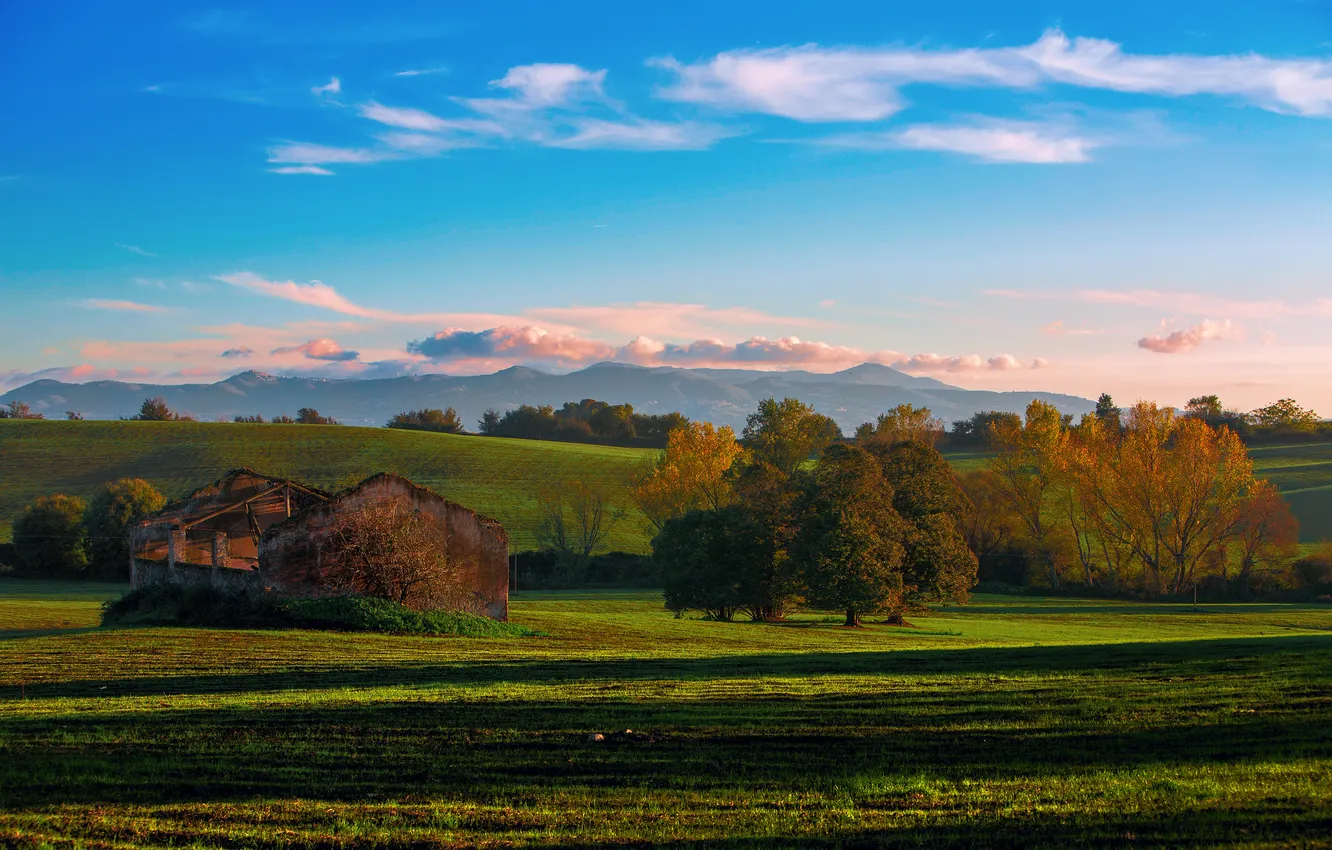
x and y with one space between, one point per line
494 476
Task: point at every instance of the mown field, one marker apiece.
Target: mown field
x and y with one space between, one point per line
497 477
494 476
1005 722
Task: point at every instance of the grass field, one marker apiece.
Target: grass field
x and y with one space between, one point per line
494 476
1009 721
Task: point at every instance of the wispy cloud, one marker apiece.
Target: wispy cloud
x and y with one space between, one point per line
1190 338
302 169
135 249
318 294
815 84
1187 303
421 72
993 141
238 353
121 306
328 92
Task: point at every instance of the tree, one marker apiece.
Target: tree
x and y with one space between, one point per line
73 416
18 410
155 410
1107 412
690 473
848 549
254 419
428 419
786 433
310 416
937 565
904 422
1285 414
109 520
489 422
719 561
388 549
1023 474
976 430
1266 536
575 522
282 419
48 537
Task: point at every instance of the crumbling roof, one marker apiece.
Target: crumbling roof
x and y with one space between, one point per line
222 495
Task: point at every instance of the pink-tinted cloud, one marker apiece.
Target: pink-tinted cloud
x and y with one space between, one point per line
238 353
122 306
319 294
1190 338
964 363
319 349
1058 328
511 343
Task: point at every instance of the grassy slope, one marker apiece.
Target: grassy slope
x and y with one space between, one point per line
1005 722
494 476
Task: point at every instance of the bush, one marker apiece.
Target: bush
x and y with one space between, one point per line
171 604
48 537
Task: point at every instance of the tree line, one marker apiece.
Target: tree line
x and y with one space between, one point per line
62 536
586 421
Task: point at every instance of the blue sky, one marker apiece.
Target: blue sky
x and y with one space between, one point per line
1132 199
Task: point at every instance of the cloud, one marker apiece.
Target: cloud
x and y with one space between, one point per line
122 306
421 72
311 154
319 349
318 294
135 249
409 119
964 363
518 343
665 319
811 83
1190 338
1012 142
551 84
1058 328
301 169
328 91
641 135
815 84
1302 86
238 353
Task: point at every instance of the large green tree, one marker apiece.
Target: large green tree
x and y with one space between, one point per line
848 550
48 537
109 520
720 561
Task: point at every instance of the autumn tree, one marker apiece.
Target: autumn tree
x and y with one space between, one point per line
786 433
389 549
310 416
18 410
689 474
108 521
155 410
848 550
1024 472
904 422
1265 537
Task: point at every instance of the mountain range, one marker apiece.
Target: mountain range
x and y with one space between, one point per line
722 396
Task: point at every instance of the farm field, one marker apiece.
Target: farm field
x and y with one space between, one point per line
1007 721
497 477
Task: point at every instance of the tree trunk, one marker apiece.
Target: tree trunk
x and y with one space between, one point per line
852 618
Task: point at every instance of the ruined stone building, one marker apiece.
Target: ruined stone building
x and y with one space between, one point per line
253 531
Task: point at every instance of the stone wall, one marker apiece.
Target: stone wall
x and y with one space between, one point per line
146 572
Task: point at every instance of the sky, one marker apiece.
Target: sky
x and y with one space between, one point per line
1134 198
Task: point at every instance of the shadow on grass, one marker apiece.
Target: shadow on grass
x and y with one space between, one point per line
16 634
1191 657
1221 703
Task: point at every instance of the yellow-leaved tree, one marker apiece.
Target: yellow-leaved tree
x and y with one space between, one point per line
689 474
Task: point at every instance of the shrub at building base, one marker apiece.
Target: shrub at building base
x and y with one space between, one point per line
169 604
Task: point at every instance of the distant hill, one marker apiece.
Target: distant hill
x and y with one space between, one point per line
723 396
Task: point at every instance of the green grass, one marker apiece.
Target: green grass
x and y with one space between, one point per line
1010 721
497 477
